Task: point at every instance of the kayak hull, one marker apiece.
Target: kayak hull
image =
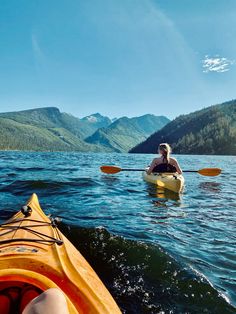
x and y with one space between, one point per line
170 181
34 251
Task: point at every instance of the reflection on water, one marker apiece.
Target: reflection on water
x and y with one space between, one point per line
160 203
160 193
110 179
211 186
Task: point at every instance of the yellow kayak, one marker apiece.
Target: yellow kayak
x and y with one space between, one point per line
170 181
34 251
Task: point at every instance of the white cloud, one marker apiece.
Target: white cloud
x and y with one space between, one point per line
35 45
38 53
216 64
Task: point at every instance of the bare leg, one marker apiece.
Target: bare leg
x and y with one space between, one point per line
51 301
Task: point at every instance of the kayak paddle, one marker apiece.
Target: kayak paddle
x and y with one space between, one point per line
211 172
115 169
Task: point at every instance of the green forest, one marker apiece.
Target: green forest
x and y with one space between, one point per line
209 131
44 129
124 133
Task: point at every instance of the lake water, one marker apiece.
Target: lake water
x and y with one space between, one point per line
156 253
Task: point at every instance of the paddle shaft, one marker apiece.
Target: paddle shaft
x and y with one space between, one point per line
144 170
190 170
132 169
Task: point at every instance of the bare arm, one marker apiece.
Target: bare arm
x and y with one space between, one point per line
153 164
174 162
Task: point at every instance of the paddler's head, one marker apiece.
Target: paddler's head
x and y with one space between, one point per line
164 149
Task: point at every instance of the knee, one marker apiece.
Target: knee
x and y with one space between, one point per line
54 293
52 299
55 297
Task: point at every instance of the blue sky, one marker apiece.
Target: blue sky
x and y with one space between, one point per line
117 57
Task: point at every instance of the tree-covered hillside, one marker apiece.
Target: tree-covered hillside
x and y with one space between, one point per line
17 136
208 131
51 117
43 129
124 133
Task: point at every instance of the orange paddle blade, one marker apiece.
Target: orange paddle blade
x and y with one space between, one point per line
110 169
211 172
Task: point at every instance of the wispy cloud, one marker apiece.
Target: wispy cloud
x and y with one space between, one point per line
38 53
216 64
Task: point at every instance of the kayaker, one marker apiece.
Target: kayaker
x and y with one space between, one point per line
164 163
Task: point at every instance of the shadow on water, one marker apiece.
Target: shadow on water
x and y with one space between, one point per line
214 187
109 179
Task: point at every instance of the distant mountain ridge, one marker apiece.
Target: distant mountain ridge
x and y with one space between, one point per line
97 120
48 129
208 131
42 129
123 133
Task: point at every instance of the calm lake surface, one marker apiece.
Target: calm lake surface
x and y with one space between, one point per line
156 252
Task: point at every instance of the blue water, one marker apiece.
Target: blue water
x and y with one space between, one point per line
156 252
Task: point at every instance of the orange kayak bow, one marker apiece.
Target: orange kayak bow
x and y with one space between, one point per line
34 251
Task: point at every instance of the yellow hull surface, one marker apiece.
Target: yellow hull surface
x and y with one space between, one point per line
170 181
33 251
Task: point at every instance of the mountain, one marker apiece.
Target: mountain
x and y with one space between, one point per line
51 117
97 121
42 129
208 131
48 129
124 133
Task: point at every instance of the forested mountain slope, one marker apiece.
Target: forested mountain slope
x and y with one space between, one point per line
124 133
208 131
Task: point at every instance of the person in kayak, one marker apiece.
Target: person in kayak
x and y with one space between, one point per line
164 163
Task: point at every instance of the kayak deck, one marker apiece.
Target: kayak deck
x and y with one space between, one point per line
171 181
35 252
